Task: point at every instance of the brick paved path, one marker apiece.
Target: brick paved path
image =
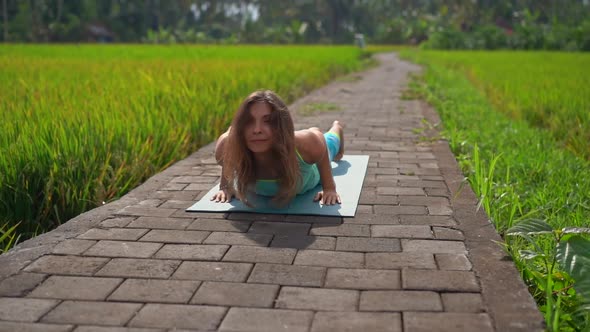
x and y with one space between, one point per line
417 257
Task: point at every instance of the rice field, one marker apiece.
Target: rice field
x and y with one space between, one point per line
82 125
548 90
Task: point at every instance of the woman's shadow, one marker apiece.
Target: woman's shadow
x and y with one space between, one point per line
302 228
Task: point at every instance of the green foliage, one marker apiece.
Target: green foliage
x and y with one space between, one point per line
572 253
8 236
471 24
530 36
528 33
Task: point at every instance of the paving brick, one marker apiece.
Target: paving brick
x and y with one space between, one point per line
24 310
463 302
453 262
439 210
199 186
116 222
175 236
75 288
400 260
427 220
452 281
304 242
423 184
177 204
113 234
178 316
139 268
72 247
341 230
123 249
400 210
373 219
364 244
421 171
236 294
437 192
210 252
314 219
117 329
174 186
443 322
33 327
283 228
233 238
374 199
356 321
266 320
190 215
444 233
196 179
92 313
363 279
160 223
399 191
153 202
423 200
401 231
20 284
150 290
220 225
434 246
400 300
213 271
382 170
329 258
292 275
383 179
366 209
139 210
178 194
70 265
260 255
317 299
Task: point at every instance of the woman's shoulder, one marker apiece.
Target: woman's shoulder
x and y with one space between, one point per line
310 144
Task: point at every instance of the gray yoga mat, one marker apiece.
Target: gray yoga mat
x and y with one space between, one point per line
349 174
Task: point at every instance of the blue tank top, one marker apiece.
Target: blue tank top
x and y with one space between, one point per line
310 177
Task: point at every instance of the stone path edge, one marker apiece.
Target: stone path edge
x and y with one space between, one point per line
505 294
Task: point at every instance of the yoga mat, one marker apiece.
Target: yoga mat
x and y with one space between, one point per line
349 174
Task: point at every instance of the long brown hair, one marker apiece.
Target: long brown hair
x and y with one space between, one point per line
238 161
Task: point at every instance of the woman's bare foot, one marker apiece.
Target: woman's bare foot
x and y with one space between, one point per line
338 128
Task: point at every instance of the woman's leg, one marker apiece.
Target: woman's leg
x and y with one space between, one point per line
338 129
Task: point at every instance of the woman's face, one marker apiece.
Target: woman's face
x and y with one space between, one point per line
258 131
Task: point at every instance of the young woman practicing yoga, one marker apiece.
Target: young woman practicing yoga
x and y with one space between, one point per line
261 152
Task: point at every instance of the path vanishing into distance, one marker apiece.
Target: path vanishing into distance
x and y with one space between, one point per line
417 256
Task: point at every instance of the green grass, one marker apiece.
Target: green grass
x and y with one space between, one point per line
82 125
545 89
518 168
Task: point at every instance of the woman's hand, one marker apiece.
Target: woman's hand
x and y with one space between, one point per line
327 197
223 196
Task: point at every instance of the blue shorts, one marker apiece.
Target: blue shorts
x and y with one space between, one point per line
333 144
